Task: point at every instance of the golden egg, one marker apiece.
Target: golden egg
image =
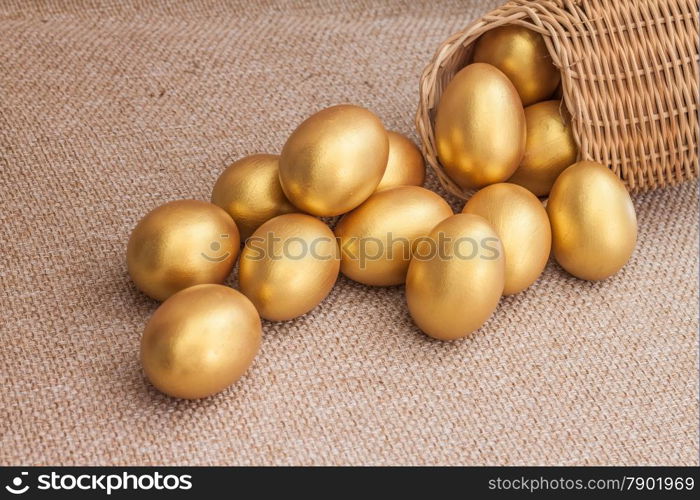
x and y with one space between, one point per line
480 127
594 227
549 149
288 266
522 225
456 277
377 238
405 166
200 341
334 160
250 191
523 56
180 244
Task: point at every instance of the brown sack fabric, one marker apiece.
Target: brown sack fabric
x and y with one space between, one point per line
108 109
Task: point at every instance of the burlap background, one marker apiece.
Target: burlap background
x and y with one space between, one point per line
109 109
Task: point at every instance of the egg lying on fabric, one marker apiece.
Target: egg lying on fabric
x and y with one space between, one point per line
377 238
405 166
200 341
334 160
250 192
181 244
288 266
549 149
523 56
456 277
594 225
522 225
480 127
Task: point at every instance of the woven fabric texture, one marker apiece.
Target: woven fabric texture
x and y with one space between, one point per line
110 109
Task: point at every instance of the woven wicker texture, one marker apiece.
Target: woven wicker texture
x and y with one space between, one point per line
629 78
110 108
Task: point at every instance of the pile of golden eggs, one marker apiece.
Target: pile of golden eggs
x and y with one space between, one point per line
497 131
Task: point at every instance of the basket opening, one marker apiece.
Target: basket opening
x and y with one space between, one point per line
459 54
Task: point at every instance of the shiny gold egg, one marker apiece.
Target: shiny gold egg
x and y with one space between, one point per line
549 149
377 238
594 226
288 266
522 225
480 127
200 341
523 56
334 160
405 166
250 192
456 277
181 244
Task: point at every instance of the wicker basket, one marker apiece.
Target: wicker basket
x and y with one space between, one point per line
629 79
